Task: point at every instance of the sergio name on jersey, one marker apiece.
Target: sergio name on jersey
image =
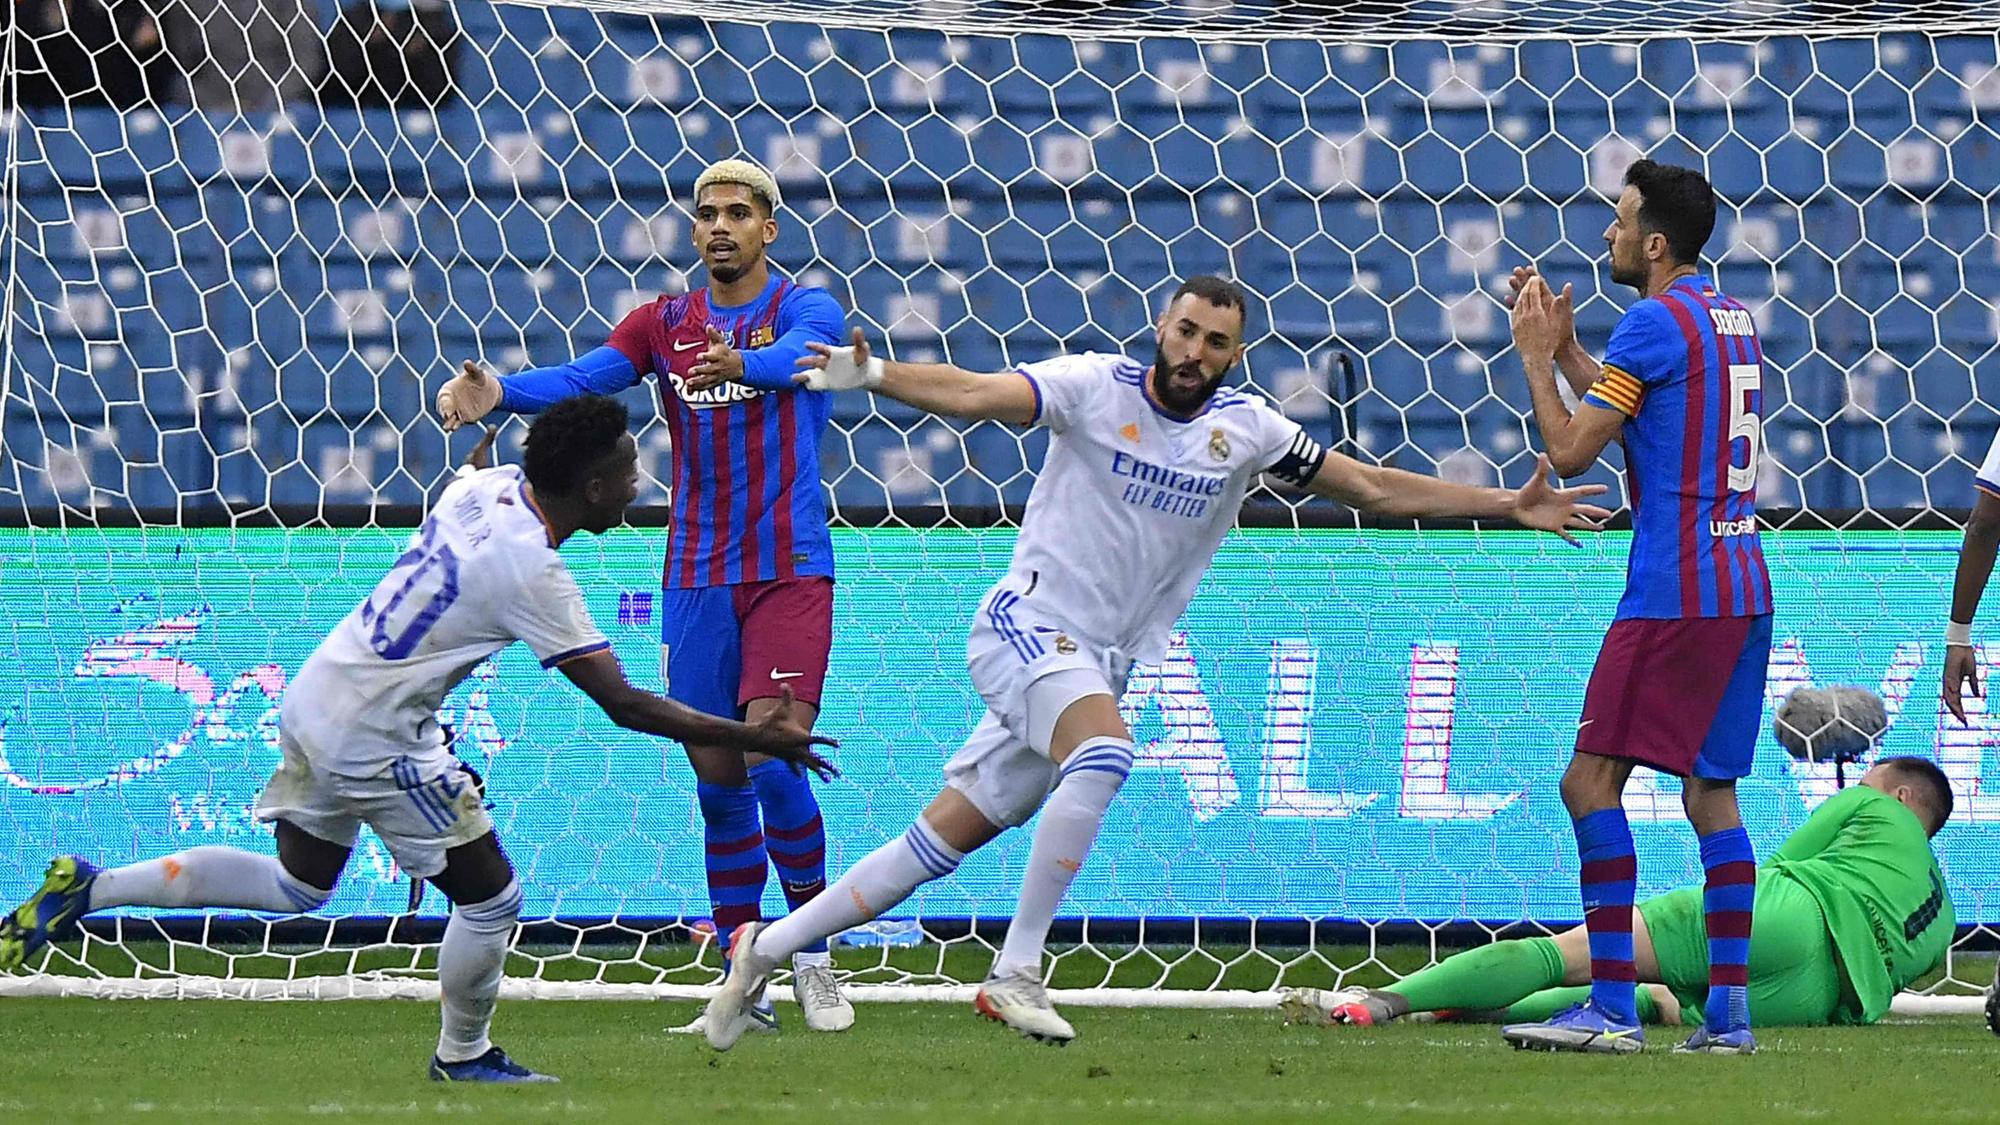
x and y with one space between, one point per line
481 573
1132 502
1686 369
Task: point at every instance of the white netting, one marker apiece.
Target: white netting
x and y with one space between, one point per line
234 274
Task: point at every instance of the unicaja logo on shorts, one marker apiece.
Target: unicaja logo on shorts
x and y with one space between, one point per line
1723 529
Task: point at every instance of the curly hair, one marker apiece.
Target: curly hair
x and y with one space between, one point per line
569 439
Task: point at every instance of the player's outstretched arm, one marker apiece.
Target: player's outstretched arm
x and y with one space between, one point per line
1574 441
1975 566
1394 492
473 393
603 680
938 388
624 359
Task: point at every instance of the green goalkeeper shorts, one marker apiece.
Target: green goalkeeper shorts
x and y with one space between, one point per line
1794 973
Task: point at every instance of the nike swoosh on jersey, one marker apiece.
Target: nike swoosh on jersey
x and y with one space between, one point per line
689 348
777 675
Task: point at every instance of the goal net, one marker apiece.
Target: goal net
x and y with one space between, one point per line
243 244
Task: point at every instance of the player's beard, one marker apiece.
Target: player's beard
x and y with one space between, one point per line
728 272
1632 274
1175 398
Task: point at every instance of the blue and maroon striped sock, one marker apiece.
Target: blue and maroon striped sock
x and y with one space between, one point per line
1610 878
1727 898
795 836
733 852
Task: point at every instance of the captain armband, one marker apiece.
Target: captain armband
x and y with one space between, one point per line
1300 462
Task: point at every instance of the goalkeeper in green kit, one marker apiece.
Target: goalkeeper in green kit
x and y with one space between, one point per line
1850 909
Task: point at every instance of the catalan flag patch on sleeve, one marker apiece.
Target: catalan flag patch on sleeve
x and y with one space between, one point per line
1618 390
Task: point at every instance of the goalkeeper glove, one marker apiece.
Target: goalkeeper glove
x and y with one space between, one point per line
467 397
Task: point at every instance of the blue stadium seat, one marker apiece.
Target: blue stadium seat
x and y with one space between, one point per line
379 152
96 148
1975 158
120 470
1006 461
1394 376
498 228
918 80
632 70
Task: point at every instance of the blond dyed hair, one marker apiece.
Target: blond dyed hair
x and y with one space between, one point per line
743 173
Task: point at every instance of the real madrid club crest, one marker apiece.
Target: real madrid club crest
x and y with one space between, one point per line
1064 645
1218 445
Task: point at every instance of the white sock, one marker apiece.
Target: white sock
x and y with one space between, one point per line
822 959
1090 779
883 878
469 965
210 876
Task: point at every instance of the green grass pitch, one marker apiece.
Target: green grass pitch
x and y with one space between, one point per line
219 1061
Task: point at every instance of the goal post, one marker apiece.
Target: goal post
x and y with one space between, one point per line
229 296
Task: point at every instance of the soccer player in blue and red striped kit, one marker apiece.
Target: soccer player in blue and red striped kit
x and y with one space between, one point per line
747 596
1679 683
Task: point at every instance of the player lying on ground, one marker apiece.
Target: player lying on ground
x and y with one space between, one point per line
1145 472
1961 659
1679 683
746 600
361 741
1862 856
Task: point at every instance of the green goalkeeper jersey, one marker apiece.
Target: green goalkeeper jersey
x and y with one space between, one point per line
1864 856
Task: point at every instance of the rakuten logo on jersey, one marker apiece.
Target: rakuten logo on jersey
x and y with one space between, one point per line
723 394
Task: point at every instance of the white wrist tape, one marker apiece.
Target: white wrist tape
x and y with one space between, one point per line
1958 633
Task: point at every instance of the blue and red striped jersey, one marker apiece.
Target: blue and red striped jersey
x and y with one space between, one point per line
747 503
1686 370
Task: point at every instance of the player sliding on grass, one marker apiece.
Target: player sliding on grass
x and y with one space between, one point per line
1144 474
1679 684
1850 910
361 741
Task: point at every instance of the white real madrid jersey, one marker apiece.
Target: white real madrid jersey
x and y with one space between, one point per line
1131 502
481 573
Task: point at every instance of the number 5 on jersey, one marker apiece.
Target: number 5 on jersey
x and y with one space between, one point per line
1746 385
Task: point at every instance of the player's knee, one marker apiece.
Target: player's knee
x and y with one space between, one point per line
1710 805
722 804
1591 783
302 894
494 915
1101 765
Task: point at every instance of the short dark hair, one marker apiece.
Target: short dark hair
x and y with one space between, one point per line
570 439
1677 202
1926 776
1218 291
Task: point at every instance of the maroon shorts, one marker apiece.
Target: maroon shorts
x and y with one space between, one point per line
723 646
1682 695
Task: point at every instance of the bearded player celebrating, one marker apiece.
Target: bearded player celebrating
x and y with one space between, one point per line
1145 472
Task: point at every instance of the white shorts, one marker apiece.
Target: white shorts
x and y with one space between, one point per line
420 807
1028 671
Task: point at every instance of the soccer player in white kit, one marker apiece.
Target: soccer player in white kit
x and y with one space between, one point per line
361 742
1145 471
